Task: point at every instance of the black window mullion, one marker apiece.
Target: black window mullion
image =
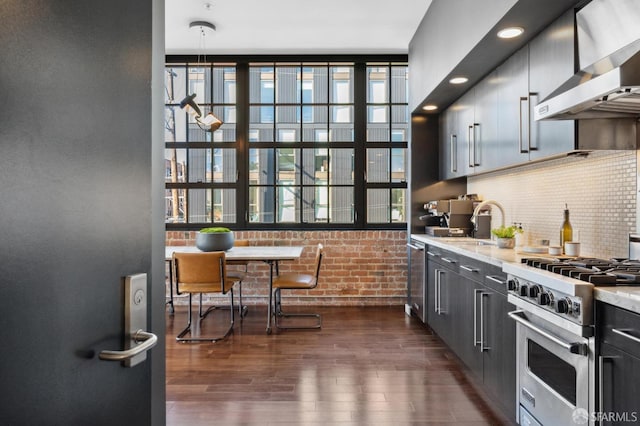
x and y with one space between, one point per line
360 133
242 144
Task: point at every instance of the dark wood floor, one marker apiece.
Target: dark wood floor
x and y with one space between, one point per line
366 366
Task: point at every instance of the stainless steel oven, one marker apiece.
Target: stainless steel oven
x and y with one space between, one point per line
555 347
554 372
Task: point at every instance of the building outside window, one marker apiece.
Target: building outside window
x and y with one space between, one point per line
292 151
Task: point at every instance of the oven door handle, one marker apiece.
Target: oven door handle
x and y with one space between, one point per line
574 348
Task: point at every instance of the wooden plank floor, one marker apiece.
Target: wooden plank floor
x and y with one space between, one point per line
366 366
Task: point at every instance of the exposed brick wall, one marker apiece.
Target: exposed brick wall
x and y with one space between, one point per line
359 267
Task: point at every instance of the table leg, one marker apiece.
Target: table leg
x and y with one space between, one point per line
270 297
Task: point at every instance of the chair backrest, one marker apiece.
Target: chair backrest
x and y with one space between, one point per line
201 272
319 256
241 243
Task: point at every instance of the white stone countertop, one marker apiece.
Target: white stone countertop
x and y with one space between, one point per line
626 297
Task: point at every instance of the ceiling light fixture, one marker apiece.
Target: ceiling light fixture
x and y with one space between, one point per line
210 123
510 32
458 80
430 107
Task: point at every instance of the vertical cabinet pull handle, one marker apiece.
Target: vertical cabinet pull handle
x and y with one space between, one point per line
533 126
601 361
471 145
453 149
483 347
475 316
523 136
476 142
437 291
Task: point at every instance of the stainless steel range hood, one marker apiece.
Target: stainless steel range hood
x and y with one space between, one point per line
608 85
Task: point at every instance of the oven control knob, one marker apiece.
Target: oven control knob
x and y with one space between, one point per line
524 290
562 307
511 285
543 298
534 290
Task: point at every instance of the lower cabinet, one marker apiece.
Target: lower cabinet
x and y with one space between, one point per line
618 347
467 308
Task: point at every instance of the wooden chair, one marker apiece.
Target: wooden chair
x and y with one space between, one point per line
294 281
239 275
202 273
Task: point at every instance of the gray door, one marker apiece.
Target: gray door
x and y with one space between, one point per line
80 194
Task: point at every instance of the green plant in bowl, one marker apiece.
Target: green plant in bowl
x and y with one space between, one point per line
214 230
506 236
506 231
216 238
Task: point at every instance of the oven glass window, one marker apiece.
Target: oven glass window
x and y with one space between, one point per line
555 372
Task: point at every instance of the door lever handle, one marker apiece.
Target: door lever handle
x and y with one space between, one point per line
148 340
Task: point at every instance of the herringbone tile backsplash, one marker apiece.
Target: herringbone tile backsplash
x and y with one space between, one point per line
600 190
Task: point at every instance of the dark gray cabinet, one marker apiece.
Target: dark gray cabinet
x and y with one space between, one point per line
442 279
492 125
467 308
485 152
513 109
618 347
417 278
551 63
455 141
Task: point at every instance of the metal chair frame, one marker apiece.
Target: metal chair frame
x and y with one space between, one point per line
278 298
180 337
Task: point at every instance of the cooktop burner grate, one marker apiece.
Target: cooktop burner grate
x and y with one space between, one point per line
592 270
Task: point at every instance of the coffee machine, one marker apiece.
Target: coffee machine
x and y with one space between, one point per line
453 218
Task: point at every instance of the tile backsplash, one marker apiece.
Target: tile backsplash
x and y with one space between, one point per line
600 190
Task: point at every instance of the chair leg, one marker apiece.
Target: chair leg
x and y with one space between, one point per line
280 314
181 338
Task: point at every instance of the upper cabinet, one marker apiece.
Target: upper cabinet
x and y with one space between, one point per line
513 108
468 131
492 125
551 63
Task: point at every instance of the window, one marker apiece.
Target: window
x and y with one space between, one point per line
201 167
386 142
291 152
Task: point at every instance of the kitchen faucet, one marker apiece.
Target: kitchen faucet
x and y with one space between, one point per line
484 204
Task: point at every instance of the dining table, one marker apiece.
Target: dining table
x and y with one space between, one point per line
270 255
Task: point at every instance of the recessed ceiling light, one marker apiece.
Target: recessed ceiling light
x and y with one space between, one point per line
458 80
430 107
510 32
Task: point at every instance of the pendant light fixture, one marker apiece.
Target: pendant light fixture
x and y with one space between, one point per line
208 123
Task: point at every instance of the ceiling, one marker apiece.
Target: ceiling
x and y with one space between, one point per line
248 27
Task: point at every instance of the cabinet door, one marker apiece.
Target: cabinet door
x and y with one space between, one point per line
468 324
435 318
464 108
486 154
417 279
551 63
513 109
619 386
499 348
450 167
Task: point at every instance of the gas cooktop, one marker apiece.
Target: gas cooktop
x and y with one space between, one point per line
599 272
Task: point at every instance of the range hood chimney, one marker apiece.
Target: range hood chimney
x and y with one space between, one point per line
608 84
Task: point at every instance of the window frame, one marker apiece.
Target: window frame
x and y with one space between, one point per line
243 144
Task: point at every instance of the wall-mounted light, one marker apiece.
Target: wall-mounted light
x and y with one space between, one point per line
510 32
458 80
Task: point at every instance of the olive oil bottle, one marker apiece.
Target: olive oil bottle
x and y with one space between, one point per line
566 232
